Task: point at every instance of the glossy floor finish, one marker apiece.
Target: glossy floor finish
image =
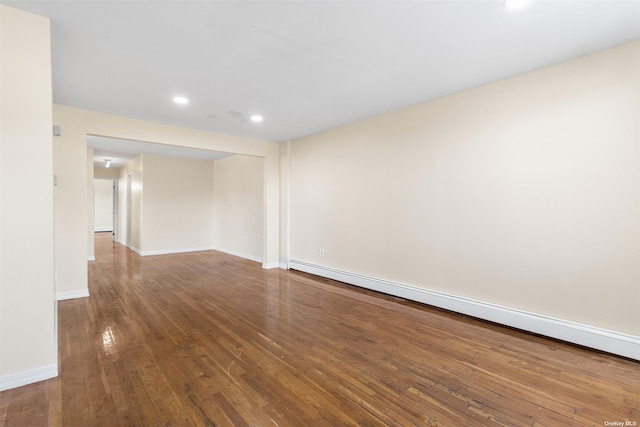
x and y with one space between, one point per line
208 339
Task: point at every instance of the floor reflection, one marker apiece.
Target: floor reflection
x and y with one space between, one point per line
108 340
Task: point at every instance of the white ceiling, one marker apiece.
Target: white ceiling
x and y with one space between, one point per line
306 66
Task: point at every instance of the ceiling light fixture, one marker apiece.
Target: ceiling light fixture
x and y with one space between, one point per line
257 119
107 163
516 4
180 100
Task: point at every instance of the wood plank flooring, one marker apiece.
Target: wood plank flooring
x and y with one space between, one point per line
208 339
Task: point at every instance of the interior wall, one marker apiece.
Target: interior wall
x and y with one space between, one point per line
238 206
135 170
72 227
102 172
103 204
285 203
90 206
28 329
123 203
523 193
178 204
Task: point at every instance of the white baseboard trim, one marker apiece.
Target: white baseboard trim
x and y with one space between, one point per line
238 254
171 251
102 229
61 296
589 336
270 265
28 377
91 258
284 265
205 248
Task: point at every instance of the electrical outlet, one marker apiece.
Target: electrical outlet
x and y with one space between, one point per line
321 253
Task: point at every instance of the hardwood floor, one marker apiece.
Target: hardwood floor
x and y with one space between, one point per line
208 339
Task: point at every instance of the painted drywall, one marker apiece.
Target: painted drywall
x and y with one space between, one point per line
103 204
238 206
135 224
27 295
178 204
523 193
285 203
102 172
72 227
124 201
90 206
71 194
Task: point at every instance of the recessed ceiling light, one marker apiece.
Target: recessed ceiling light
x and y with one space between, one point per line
257 119
516 4
180 100
107 163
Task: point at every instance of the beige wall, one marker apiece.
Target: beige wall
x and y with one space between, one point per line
523 193
102 172
123 203
238 206
134 169
71 210
178 204
27 291
90 206
103 204
285 202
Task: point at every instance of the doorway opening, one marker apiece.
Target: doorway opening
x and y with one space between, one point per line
188 203
105 206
